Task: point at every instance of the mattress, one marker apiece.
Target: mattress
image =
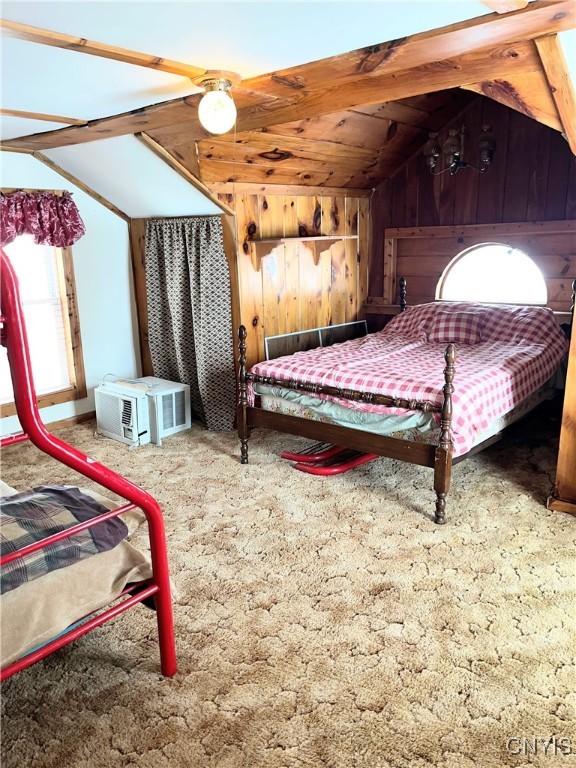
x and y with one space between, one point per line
411 425
37 611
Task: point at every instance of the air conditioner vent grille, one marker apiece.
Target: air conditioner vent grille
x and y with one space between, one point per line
127 413
180 408
167 411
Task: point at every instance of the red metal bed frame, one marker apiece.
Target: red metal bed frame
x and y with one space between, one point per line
14 338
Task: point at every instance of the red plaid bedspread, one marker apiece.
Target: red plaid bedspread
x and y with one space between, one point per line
520 350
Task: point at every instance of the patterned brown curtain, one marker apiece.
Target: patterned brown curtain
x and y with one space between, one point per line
190 313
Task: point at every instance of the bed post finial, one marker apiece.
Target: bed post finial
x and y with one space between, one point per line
242 396
443 459
403 303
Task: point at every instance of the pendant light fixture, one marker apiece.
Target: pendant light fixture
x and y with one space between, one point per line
217 111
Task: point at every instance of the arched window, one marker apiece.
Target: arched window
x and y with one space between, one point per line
493 272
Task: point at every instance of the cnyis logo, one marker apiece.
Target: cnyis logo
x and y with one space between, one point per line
549 746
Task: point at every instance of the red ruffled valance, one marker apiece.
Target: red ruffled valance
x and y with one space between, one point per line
52 219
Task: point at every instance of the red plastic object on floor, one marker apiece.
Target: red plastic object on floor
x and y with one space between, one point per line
14 338
318 453
325 460
325 470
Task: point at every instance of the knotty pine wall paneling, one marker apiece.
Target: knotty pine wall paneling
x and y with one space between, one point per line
299 284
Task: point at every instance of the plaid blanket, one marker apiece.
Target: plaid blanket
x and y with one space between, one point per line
33 515
517 350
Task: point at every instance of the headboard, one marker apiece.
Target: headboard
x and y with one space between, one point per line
421 254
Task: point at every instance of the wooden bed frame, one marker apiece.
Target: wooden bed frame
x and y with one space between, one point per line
439 457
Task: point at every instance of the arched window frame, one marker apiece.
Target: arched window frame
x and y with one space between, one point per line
459 256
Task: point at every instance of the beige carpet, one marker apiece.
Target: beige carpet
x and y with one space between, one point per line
320 622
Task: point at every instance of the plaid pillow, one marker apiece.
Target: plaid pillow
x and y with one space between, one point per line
29 516
456 327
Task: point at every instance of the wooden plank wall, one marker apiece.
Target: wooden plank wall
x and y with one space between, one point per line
137 243
564 494
297 287
422 254
533 178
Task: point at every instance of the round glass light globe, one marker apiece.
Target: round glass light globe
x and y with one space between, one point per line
217 111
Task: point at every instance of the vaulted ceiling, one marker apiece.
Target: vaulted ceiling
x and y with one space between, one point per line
346 121
353 148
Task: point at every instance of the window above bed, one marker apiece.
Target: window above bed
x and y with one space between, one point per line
493 273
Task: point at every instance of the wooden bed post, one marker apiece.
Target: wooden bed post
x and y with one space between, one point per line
563 497
403 303
443 457
242 396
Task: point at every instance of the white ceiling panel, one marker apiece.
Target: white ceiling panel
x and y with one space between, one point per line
10 127
38 78
128 174
248 37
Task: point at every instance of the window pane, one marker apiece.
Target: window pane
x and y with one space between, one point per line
494 273
35 266
47 347
37 271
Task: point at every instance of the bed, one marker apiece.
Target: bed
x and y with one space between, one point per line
43 595
436 385
66 563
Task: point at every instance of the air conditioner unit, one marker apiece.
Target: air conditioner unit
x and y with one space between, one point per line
123 414
139 411
169 407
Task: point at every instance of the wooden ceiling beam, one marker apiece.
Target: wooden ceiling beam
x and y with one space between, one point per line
556 70
528 93
468 52
471 68
489 31
182 111
436 76
524 100
93 48
4 148
41 116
